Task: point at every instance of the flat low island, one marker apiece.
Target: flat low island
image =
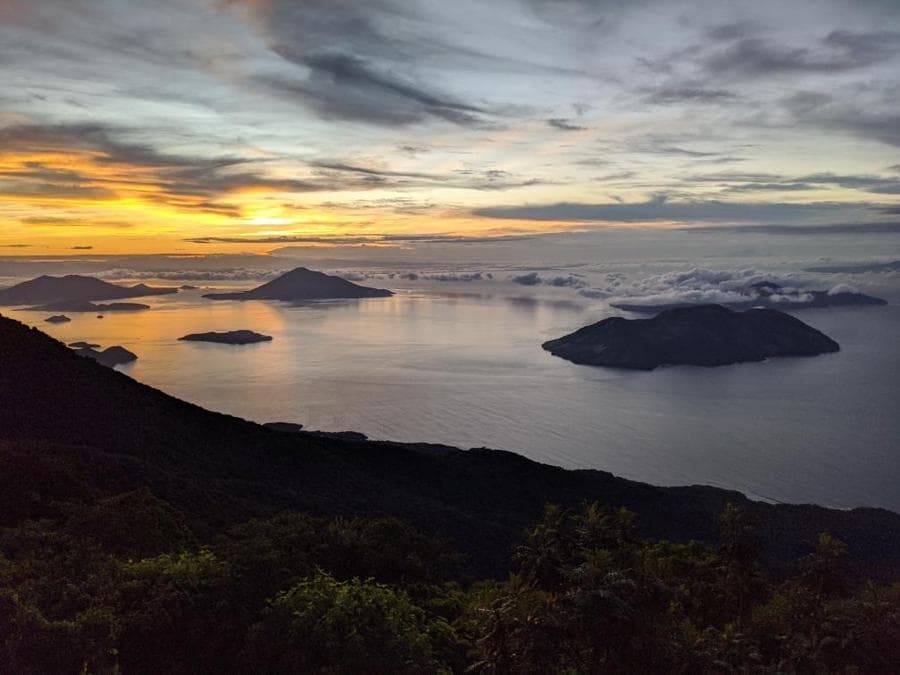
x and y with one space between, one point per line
233 337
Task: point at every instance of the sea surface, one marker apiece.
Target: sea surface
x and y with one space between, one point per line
467 369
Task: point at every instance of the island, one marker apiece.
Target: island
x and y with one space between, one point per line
81 344
233 337
46 290
86 306
767 294
704 335
304 284
111 356
58 318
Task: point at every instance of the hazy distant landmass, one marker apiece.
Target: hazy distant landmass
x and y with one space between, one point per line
87 306
858 268
705 335
304 284
48 292
767 294
111 356
234 337
81 345
57 318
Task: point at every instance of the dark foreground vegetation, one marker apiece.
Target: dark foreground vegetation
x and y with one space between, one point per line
140 534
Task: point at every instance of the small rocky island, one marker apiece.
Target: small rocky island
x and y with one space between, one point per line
58 318
705 335
233 337
304 284
110 357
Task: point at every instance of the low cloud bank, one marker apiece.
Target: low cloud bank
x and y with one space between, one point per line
450 277
702 286
227 274
535 279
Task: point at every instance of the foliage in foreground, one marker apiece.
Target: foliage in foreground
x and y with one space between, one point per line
296 593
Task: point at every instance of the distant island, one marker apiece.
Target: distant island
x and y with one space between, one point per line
58 318
304 284
111 356
45 292
81 345
87 306
770 295
705 335
233 337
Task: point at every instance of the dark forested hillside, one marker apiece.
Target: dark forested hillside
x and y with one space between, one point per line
130 519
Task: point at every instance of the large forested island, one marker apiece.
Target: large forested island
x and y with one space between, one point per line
704 335
142 534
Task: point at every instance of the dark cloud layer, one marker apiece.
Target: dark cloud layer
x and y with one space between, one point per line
662 209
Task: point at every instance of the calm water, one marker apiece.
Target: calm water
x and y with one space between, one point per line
468 370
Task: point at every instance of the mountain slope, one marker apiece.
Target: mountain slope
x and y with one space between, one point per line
304 284
73 432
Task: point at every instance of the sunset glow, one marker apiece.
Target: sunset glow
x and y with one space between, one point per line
131 127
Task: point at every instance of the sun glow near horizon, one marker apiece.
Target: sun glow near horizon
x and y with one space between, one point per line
134 128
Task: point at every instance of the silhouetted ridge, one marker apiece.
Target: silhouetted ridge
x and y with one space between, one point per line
73 431
304 284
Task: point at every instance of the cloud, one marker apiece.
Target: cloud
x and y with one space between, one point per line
839 51
738 182
803 230
221 274
564 124
363 239
50 221
660 208
348 87
674 94
535 279
878 120
529 279
466 179
110 167
458 277
352 275
842 288
702 286
216 107
859 268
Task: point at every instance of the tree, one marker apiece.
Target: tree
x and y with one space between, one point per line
322 625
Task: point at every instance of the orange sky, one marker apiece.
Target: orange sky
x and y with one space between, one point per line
203 126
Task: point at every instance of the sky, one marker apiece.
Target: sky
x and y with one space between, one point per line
230 126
